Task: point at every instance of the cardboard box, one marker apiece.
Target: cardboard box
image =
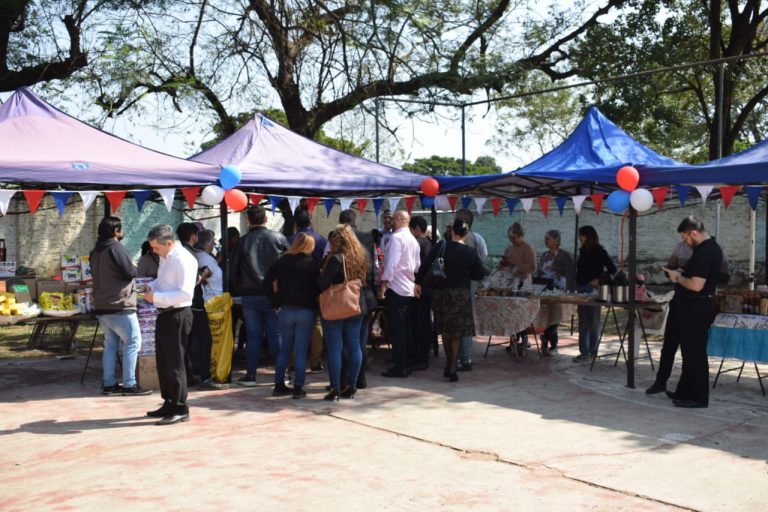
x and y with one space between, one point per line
7 268
85 268
70 275
70 261
146 373
32 286
50 286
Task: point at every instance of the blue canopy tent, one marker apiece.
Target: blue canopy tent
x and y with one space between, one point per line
275 159
590 156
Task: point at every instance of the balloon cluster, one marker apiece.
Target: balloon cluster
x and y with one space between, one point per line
619 200
229 177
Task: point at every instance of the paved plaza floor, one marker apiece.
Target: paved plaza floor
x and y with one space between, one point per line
536 434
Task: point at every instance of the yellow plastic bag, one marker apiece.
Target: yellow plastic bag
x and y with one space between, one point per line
219 311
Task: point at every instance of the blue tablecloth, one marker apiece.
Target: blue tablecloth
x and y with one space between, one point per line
738 343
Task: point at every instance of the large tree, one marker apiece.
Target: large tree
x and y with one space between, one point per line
448 166
321 59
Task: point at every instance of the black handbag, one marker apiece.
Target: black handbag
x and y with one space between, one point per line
435 276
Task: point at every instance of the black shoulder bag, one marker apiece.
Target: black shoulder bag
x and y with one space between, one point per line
435 276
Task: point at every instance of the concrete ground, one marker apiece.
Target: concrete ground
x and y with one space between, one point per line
539 434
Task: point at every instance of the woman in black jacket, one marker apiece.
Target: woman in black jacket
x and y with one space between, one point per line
452 299
346 255
592 262
291 285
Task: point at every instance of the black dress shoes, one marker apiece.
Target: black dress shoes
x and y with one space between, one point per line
162 412
671 394
173 418
656 388
395 373
689 404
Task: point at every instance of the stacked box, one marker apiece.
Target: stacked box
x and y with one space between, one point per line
70 268
7 268
146 372
147 313
85 268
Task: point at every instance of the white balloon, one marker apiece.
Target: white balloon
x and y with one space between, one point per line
641 199
212 195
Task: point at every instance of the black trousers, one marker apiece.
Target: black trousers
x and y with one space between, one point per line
399 331
201 342
423 329
171 337
688 328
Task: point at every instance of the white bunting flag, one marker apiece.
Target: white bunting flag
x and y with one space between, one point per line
293 201
167 195
704 191
5 200
479 203
527 203
441 203
88 199
345 203
393 203
577 202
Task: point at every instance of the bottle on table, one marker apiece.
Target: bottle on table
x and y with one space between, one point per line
2 249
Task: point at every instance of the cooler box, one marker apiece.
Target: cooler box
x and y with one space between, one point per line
146 373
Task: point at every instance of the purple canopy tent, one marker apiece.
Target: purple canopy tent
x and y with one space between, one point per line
273 159
42 147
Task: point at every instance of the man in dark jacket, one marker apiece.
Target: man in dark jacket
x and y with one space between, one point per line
114 302
255 253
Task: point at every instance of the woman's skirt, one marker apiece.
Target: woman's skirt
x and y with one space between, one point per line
452 308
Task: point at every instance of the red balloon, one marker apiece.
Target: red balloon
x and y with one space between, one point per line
235 199
430 187
628 178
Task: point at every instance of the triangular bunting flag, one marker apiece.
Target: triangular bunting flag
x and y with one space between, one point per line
5 200
88 198
33 198
466 201
293 202
682 193
578 201
275 202
393 201
361 204
704 191
328 203
659 195
255 199
561 201
452 201
377 203
140 196
311 203
167 195
544 203
479 203
190 194
597 199
441 203
727 194
115 198
409 201
496 206
511 203
61 198
753 195
345 203
527 203
427 202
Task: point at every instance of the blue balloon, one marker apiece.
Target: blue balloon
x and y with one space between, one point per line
618 200
230 176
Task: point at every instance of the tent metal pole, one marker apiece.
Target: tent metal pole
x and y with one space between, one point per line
463 142
575 236
752 233
225 244
433 220
631 341
376 117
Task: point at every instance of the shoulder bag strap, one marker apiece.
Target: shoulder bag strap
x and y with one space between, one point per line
344 265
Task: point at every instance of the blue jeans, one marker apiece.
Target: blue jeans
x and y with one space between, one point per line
260 319
296 326
343 335
589 325
117 327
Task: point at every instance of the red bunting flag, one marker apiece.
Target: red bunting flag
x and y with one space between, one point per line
496 205
727 193
659 194
544 203
311 203
361 204
33 198
597 199
409 201
115 198
452 200
190 194
255 199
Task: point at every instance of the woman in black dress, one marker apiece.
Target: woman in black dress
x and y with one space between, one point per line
452 299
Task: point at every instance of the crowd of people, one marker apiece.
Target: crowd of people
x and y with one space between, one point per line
279 280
